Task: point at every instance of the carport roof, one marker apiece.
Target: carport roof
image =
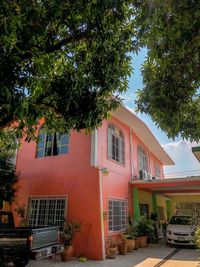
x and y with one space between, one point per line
169 186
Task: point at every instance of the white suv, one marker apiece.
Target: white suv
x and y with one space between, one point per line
180 230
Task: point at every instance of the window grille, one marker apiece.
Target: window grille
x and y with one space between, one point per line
118 215
157 170
52 144
115 144
47 210
142 159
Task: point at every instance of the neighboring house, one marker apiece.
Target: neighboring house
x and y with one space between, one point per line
88 178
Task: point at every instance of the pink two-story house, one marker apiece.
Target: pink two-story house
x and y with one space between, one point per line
87 177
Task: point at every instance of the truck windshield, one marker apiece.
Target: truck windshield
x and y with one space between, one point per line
182 220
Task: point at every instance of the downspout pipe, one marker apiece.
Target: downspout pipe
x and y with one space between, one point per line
94 163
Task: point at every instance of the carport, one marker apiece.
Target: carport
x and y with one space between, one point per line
161 196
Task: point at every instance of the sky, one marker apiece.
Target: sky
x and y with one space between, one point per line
179 150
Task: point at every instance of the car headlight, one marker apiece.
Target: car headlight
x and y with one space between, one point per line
193 233
169 232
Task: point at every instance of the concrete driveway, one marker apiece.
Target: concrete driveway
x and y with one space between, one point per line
156 256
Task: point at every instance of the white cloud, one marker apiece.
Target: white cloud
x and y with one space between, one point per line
129 99
185 162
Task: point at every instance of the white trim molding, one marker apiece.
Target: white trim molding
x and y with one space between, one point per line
94 146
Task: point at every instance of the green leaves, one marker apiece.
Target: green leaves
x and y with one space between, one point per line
8 177
63 60
170 30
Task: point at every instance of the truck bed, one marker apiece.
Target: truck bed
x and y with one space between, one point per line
40 236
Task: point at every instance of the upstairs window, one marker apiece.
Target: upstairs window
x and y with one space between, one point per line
115 144
52 144
157 170
142 159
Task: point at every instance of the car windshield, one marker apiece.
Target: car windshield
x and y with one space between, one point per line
182 220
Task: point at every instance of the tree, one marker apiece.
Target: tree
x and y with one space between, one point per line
171 77
63 61
8 177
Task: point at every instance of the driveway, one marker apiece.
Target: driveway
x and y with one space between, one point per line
156 256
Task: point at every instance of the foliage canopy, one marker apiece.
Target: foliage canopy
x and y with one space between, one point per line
8 178
171 32
63 61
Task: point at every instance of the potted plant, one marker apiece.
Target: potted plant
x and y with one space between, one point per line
144 227
111 248
197 237
122 245
67 236
129 236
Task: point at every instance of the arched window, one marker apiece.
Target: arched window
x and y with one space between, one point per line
115 144
142 159
52 144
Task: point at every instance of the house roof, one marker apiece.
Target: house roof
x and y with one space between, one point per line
169 186
196 152
143 132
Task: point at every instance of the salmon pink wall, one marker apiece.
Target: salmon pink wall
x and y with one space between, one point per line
72 175
116 183
68 174
152 159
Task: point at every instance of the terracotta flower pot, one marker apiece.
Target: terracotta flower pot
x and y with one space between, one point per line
111 253
130 244
143 241
67 254
122 249
137 242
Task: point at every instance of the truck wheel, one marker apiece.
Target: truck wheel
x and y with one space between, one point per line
2 264
19 263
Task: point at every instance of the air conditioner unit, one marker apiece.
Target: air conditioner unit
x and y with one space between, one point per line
143 175
149 177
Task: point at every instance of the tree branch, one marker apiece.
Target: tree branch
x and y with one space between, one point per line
69 39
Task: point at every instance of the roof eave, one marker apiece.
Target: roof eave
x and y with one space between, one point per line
144 133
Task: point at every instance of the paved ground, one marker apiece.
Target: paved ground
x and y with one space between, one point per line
148 257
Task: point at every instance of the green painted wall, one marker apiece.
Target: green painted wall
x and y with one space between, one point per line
154 204
136 208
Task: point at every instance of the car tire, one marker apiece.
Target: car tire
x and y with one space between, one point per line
168 244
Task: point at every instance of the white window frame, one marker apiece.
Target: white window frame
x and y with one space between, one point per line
116 144
157 170
43 148
39 210
123 215
142 159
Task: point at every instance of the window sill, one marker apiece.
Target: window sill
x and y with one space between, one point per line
117 162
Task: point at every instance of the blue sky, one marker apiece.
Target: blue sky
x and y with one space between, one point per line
179 150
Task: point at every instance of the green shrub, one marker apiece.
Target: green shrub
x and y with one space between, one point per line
197 237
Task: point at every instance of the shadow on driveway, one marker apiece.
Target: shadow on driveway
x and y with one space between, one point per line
153 256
